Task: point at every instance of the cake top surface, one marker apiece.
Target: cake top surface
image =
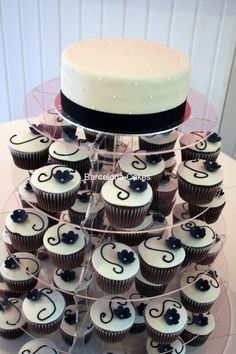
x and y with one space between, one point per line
39 345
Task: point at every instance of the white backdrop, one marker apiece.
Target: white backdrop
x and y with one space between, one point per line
34 32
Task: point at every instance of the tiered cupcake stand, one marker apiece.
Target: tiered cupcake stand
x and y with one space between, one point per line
44 98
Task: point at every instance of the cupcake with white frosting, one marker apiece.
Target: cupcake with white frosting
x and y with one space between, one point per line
147 288
166 191
115 266
20 271
69 282
55 187
29 149
26 228
214 251
198 329
197 239
180 212
65 245
200 145
160 258
43 309
165 319
41 345
12 321
178 346
199 289
141 165
158 226
199 181
82 329
112 317
139 305
126 201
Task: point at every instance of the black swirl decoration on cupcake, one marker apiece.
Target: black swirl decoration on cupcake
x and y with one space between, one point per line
174 243
41 138
44 177
137 185
28 187
53 241
197 173
118 269
108 317
153 159
66 275
139 164
45 313
171 317
126 257
83 197
36 128
168 256
212 279
39 349
214 138
167 348
123 194
202 144
8 304
211 166
12 262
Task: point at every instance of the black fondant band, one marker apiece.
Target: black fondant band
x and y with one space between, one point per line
123 123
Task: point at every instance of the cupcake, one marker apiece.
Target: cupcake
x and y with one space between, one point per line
26 228
165 319
200 145
55 187
69 282
166 191
55 126
199 181
158 226
5 291
126 201
177 346
159 142
213 252
12 322
199 290
43 309
82 329
39 345
99 173
77 212
141 165
198 329
7 241
65 245
112 317
160 258
139 305
147 288
170 164
115 266
20 271
209 212
197 239
29 149
71 154
180 212
165 209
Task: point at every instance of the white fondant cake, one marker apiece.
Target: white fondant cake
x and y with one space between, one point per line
39 345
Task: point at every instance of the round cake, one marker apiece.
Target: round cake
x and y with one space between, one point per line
135 81
39 345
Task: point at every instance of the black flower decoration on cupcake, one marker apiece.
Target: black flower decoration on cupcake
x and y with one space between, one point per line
172 317
198 232
69 238
138 185
19 216
165 178
122 312
165 348
158 217
70 318
5 304
141 308
202 284
63 176
212 273
126 257
12 262
67 275
153 159
97 165
83 197
36 129
200 320
28 187
82 186
214 138
33 295
211 166
174 243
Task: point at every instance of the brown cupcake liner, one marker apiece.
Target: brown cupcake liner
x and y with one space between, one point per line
82 166
164 209
144 145
26 243
68 261
209 259
137 328
126 217
194 255
131 239
109 336
56 202
10 293
209 215
157 275
112 286
194 306
70 339
23 285
162 198
163 338
30 161
44 328
104 141
69 299
149 290
93 221
188 154
194 194
193 340
12 333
